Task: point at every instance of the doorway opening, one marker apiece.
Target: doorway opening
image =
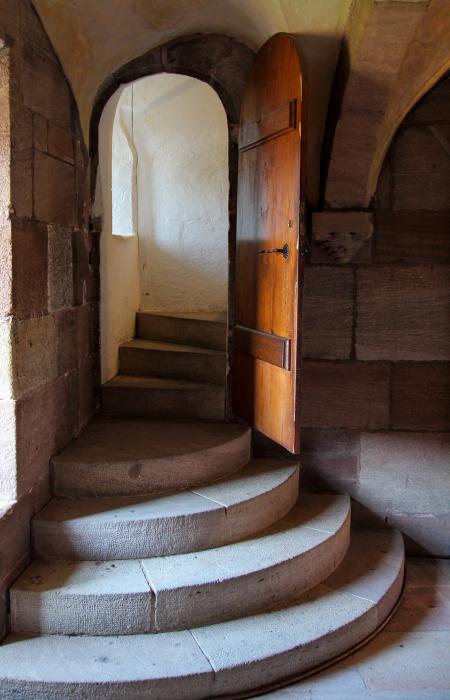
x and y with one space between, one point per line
163 194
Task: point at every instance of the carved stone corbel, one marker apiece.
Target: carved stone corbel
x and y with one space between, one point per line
341 234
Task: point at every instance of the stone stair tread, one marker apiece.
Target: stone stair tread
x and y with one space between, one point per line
204 586
130 527
126 381
119 456
110 439
210 316
162 346
229 657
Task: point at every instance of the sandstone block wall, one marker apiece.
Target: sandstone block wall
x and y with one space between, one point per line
48 286
376 374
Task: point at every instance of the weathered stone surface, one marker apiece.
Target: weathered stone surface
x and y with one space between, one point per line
40 138
87 385
402 313
118 457
6 277
416 468
99 529
29 241
327 313
416 151
427 191
54 190
421 396
60 267
22 163
412 237
345 395
300 551
60 142
34 348
8 451
44 87
66 341
96 598
330 458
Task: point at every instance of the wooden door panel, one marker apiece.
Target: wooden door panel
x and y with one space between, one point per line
268 284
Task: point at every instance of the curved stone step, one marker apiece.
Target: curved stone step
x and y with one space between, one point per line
184 590
139 527
159 397
134 456
206 330
239 656
160 359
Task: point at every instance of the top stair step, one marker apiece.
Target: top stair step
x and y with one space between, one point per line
203 330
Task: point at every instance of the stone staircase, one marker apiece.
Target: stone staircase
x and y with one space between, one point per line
170 564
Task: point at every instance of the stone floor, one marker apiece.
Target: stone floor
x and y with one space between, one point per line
408 660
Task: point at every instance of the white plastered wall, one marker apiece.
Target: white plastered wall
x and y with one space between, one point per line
163 165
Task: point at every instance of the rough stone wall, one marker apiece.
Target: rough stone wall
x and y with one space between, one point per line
376 375
48 276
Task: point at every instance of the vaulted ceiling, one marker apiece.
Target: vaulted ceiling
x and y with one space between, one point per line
95 37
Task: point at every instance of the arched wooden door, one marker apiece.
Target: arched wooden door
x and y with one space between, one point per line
269 245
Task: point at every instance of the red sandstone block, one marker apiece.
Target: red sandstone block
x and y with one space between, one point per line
40 139
417 151
29 248
44 87
54 190
46 420
66 340
413 191
327 313
330 458
87 382
421 396
402 313
83 324
345 395
60 143
412 237
6 273
22 162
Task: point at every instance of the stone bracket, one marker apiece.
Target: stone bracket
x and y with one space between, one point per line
341 234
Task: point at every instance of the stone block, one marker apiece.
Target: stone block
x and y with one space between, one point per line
88 383
83 331
384 188
8 456
66 340
60 142
345 395
417 151
6 276
413 191
330 458
402 313
44 86
327 313
46 420
22 163
6 359
34 352
412 237
405 473
420 396
14 539
5 137
81 269
40 138
60 267
29 245
54 190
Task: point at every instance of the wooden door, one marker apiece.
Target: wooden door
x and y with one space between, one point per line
266 388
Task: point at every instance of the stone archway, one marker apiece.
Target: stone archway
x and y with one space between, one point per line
215 59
